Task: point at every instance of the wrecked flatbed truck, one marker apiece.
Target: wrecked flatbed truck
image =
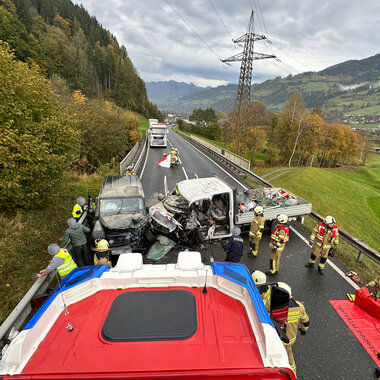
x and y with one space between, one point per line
208 208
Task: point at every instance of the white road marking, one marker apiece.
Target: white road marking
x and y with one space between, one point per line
328 261
296 232
146 158
184 172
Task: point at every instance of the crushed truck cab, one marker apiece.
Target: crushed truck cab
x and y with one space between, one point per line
211 208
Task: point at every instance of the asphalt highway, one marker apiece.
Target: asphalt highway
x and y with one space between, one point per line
329 350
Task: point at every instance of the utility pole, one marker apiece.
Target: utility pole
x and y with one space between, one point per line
246 57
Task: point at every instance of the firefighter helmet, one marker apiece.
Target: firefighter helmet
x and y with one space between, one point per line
102 245
285 286
53 249
81 201
282 218
259 277
236 231
258 210
329 220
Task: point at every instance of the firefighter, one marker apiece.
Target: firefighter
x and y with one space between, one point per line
255 232
102 254
173 155
78 208
264 289
375 285
324 238
62 262
279 237
130 171
176 155
296 314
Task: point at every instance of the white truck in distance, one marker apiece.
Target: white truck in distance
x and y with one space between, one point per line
195 202
158 135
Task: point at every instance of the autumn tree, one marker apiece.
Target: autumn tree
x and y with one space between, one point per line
37 141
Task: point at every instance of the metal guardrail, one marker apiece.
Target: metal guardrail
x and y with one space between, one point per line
22 311
130 157
362 247
226 153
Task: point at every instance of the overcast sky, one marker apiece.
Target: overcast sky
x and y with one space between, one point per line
184 40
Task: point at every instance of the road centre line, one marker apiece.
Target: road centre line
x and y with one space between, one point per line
328 261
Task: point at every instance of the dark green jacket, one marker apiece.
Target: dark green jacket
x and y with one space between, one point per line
76 235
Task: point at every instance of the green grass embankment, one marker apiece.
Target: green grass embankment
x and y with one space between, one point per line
352 196
25 235
143 124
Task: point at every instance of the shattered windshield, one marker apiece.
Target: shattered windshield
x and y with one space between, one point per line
121 206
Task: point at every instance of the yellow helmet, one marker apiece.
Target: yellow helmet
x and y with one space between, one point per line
102 245
282 218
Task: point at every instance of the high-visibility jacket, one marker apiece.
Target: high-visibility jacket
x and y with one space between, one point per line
324 236
68 265
296 314
77 211
280 235
257 226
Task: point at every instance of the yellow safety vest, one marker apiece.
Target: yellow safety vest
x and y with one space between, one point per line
75 209
68 265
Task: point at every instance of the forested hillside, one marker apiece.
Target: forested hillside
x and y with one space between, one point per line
348 92
62 38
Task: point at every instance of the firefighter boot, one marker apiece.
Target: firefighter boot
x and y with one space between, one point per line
311 261
321 265
272 270
252 253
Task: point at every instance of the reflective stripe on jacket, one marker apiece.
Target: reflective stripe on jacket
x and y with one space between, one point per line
280 232
296 314
325 236
68 265
77 211
257 226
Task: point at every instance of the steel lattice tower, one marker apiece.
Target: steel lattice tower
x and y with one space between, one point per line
247 57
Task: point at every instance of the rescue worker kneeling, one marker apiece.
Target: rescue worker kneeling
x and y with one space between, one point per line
296 314
102 254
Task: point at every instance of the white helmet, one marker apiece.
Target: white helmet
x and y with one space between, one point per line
282 218
259 277
258 210
285 286
329 220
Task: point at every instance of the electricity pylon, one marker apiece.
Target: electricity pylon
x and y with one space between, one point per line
246 57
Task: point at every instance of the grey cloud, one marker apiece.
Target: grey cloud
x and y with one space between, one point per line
306 35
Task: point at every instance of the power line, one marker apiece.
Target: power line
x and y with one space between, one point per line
220 19
189 26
